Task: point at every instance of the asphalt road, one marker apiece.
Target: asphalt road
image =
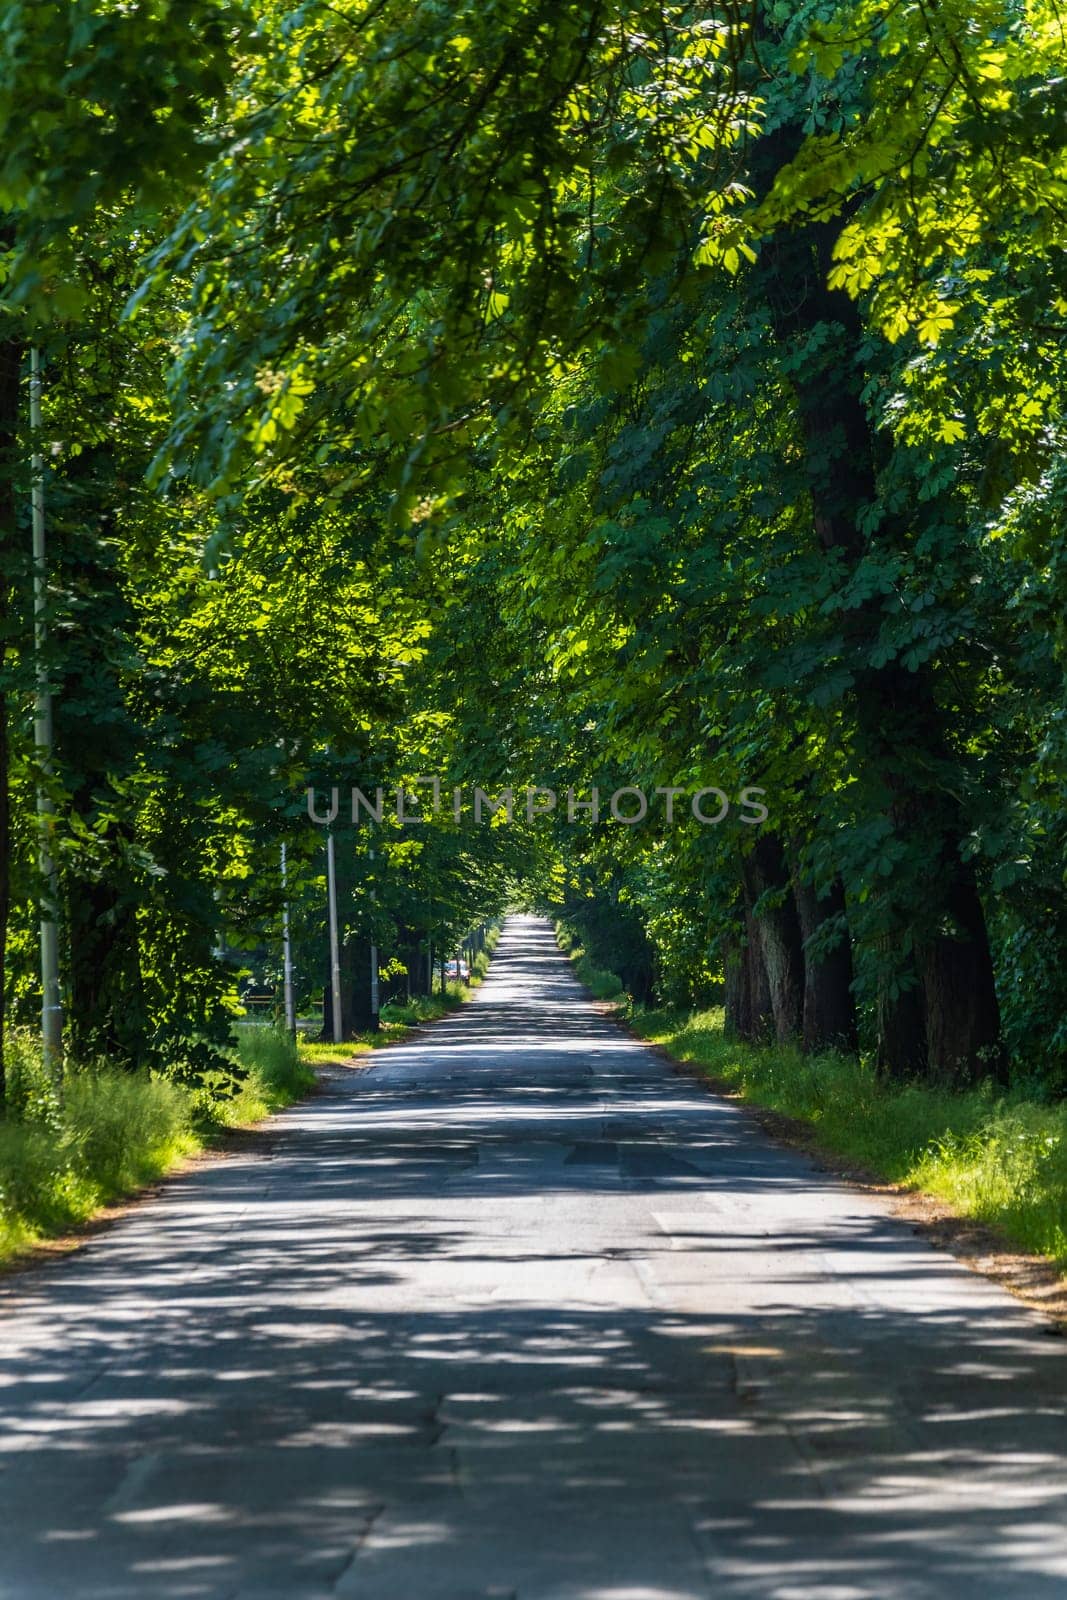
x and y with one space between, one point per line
518 1313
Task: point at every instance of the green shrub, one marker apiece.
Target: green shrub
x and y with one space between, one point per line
407 1013
481 963
35 1186
425 1008
29 1088
275 1074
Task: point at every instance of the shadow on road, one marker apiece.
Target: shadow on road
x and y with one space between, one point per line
518 1312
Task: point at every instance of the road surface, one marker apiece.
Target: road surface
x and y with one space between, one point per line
519 1313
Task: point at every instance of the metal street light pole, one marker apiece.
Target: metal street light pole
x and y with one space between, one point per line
335 951
287 952
51 1005
373 957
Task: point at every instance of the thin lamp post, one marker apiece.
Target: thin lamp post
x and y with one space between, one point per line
51 1004
373 954
335 951
287 951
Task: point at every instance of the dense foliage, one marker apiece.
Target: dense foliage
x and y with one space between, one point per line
557 394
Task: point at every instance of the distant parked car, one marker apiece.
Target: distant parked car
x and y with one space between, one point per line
458 968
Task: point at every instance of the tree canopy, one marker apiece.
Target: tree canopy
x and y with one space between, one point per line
545 395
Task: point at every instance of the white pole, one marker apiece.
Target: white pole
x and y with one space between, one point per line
373 955
287 952
335 952
51 1005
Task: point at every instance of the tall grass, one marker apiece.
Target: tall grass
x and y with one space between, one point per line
59 1162
1000 1158
398 1017
277 1074
423 1007
602 984
112 1131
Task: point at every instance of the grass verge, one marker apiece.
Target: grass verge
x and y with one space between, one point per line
399 1018
602 985
115 1131
997 1157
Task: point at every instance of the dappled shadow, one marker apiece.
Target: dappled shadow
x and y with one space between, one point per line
518 1312
571 1452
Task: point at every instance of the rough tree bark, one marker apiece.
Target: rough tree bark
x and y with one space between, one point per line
900 1024
356 1014
956 1032
749 1011
963 1029
829 1005
766 871
412 954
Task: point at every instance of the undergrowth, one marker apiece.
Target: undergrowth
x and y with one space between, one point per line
398 1017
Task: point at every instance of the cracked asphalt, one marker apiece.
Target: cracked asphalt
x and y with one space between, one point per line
519 1313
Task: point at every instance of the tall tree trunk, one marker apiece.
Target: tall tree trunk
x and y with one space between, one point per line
900 737
355 947
829 1005
734 996
749 1011
106 1015
757 988
356 1014
900 1020
410 954
963 1030
11 355
759 1011
766 872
